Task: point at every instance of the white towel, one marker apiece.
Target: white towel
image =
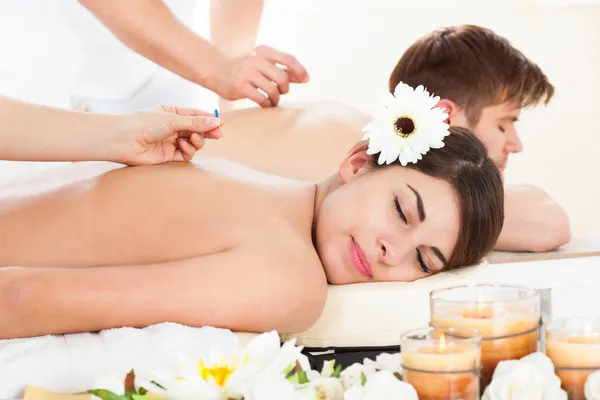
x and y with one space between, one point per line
72 363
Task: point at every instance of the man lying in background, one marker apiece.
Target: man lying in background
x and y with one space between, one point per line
483 83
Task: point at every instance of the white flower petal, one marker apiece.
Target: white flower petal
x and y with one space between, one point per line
592 386
328 389
354 393
287 356
516 381
402 91
270 387
384 385
351 375
243 374
328 368
389 362
542 362
263 348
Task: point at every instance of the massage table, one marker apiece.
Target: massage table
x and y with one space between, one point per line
366 319
363 320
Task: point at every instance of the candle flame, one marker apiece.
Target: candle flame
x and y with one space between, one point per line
480 308
443 342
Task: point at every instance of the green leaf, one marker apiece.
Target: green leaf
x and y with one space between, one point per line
142 391
302 378
363 378
398 375
288 369
108 395
337 371
158 384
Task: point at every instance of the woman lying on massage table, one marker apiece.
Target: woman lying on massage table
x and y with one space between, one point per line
99 245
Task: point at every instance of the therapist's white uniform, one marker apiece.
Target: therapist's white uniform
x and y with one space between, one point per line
55 52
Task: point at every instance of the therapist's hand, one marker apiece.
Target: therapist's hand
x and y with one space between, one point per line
264 69
165 134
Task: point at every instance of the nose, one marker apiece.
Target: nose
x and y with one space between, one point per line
513 144
392 250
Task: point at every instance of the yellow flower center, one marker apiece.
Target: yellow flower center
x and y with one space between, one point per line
220 373
404 126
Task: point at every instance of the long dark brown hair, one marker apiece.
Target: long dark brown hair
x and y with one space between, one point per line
463 162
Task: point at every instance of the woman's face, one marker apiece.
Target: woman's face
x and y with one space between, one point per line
386 224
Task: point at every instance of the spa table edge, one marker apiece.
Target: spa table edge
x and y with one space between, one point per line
577 247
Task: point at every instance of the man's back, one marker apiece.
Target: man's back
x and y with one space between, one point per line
304 142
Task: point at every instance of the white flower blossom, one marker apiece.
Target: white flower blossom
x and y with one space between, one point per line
382 385
592 386
406 125
530 378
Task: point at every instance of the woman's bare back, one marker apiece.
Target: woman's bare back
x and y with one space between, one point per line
210 244
129 216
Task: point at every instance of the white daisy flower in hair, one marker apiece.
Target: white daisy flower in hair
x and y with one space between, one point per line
406 125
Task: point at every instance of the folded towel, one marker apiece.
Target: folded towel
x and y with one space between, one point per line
72 363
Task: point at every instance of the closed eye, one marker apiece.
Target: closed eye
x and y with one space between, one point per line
422 263
419 255
502 129
399 209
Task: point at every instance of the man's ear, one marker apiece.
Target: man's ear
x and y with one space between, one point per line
355 161
450 108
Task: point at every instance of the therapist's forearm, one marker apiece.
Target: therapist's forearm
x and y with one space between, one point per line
31 132
150 29
234 25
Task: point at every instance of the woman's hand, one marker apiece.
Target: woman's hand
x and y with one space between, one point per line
164 134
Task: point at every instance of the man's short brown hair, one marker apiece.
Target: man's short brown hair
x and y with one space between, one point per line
473 67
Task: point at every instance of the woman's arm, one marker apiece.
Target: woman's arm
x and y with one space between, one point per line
223 290
30 132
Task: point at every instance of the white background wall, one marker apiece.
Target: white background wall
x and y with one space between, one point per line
351 46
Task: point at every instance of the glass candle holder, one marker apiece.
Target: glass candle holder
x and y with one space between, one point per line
507 317
442 364
573 345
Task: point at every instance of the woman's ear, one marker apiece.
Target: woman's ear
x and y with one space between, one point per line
356 160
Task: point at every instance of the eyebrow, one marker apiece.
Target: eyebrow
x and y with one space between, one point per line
510 118
422 216
439 255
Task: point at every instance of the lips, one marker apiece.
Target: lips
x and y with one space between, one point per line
359 259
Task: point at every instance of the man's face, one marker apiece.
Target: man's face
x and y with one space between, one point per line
496 129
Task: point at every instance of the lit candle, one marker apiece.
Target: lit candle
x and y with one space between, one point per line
442 364
573 345
507 318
